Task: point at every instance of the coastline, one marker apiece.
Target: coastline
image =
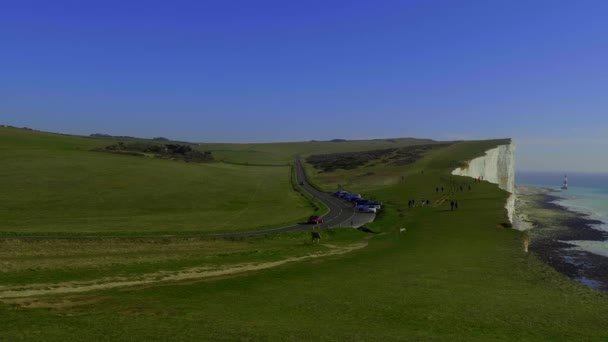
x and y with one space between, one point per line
552 229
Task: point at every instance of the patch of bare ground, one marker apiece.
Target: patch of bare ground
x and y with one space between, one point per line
440 201
51 303
9 294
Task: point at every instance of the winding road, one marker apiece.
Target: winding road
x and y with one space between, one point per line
341 214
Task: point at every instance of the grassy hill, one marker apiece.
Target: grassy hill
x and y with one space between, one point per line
55 184
452 276
284 153
385 172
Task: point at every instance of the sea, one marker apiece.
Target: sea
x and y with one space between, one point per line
587 194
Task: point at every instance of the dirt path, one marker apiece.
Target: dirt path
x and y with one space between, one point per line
440 201
33 290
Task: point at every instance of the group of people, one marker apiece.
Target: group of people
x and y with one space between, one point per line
424 202
455 188
413 203
454 205
452 189
461 188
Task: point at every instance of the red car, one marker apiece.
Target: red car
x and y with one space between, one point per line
315 220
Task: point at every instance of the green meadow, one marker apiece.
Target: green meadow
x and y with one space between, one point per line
284 153
55 184
453 275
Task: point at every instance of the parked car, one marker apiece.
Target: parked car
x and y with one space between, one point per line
366 209
315 220
340 193
360 201
344 195
373 204
351 197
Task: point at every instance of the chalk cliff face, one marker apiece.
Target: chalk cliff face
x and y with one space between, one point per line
498 167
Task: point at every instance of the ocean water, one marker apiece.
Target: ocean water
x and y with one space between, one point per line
587 194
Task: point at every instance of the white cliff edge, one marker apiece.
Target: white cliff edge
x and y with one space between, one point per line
498 167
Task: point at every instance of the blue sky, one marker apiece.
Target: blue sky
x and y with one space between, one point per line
249 71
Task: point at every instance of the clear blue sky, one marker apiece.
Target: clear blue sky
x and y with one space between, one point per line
246 71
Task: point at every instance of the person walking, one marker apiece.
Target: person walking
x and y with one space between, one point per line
452 206
456 205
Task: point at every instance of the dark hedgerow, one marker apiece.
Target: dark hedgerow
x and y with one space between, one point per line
164 151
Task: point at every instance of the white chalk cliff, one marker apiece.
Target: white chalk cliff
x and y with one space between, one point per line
496 166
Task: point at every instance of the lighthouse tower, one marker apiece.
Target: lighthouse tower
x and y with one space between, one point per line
565 186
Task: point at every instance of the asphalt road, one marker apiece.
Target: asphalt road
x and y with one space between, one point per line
341 214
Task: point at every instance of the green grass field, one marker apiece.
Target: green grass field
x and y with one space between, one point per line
452 276
284 153
55 185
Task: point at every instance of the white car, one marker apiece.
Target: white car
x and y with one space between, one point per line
375 206
366 209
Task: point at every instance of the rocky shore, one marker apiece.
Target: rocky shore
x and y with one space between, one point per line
551 227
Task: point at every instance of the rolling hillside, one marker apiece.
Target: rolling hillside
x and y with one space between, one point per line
453 275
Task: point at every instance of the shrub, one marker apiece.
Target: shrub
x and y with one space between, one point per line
164 151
